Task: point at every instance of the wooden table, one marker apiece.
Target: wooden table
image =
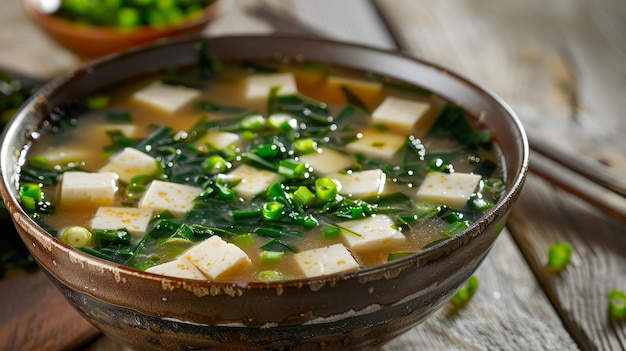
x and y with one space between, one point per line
561 65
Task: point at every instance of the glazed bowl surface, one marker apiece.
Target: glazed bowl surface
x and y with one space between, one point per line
91 42
352 311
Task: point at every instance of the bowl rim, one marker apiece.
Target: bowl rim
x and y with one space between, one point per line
9 193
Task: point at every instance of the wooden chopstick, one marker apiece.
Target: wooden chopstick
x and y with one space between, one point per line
581 166
579 185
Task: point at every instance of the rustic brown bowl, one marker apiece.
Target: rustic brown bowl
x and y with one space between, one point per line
351 311
89 42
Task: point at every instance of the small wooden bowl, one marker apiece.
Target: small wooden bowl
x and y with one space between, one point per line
89 42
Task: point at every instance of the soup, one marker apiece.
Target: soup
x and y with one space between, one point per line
239 171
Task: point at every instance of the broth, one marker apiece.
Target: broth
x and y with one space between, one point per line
332 108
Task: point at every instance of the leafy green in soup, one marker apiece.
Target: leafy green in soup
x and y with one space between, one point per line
259 172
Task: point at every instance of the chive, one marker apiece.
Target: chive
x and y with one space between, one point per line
325 189
119 116
76 237
559 256
238 215
398 255
454 228
617 304
465 293
271 258
277 245
103 238
273 211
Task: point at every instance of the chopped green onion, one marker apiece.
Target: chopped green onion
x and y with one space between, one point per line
271 276
455 228
243 239
559 256
97 101
282 122
117 116
331 232
273 211
305 146
30 195
253 123
271 258
292 169
325 189
617 304
215 164
465 293
479 203
304 196
107 237
77 237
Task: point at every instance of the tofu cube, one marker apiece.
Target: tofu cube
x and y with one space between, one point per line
253 180
83 188
326 260
179 269
214 257
327 160
176 198
450 189
135 220
259 85
165 97
361 184
367 234
129 163
404 115
218 141
376 144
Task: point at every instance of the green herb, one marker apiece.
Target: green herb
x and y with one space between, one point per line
617 304
559 256
465 293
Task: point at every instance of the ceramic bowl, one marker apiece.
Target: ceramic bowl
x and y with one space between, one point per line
353 311
89 42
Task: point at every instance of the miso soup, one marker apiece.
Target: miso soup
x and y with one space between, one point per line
259 171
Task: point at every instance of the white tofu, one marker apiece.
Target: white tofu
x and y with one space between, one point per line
326 260
403 114
176 198
259 85
178 268
168 98
219 140
327 160
88 188
371 233
361 184
450 189
135 220
129 163
214 256
253 180
376 144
